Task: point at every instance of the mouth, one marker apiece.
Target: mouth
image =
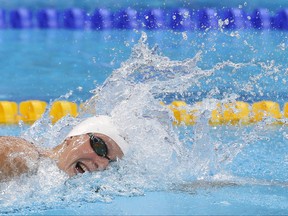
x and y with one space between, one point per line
81 168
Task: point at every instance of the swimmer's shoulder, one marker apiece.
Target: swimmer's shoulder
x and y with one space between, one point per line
17 144
17 156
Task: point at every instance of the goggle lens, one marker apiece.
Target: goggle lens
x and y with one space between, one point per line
99 146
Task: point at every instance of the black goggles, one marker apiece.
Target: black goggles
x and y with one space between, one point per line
99 146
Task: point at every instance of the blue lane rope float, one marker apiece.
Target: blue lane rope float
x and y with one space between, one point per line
179 19
207 18
261 19
280 20
48 18
126 19
101 19
74 18
154 19
237 18
21 18
235 113
2 18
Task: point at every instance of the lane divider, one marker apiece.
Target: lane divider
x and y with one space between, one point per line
236 113
8 112
179 19
60 109
30 111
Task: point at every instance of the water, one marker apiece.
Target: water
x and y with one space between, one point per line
86 58
190 170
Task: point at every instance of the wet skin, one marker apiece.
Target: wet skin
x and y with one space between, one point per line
74 156
17 156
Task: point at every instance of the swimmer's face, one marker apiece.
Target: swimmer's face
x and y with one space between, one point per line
77 155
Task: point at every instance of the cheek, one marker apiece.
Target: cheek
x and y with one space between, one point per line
70 155
79 152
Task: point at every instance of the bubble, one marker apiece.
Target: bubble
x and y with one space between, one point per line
282 46
184 35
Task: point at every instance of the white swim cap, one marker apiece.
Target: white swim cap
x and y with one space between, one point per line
100 124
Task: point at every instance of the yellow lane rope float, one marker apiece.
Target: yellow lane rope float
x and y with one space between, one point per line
30 111
233 113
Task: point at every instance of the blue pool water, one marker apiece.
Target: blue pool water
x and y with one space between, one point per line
85 58
169 170
246 175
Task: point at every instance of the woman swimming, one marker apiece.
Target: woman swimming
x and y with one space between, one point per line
90 146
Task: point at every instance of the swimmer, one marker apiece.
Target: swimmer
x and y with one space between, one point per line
90 146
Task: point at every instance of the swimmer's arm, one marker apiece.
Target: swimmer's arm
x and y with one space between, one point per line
15 153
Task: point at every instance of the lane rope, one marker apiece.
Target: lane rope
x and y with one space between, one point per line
179 19
234 113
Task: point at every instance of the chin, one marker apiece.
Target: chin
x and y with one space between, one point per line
70 173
